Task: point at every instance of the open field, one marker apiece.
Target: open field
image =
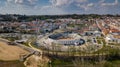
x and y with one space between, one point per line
14 63
9 52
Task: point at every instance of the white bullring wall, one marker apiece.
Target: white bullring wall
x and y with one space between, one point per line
75 37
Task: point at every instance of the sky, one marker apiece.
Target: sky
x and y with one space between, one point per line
58 7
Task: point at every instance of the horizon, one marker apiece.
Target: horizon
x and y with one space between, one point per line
61 14
59 7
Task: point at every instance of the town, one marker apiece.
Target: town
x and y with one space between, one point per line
67 36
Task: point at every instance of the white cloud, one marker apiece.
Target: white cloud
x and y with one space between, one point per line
110 4
65 2
86 6
24 2
99 4
19 1
58 7
32 1
16 8
81 1
60 2
90 4
9 0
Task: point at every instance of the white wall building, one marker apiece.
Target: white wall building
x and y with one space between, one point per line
113 38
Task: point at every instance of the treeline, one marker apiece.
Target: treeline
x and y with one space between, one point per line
16 17
112 59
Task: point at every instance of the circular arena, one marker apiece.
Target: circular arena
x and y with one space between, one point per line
66 39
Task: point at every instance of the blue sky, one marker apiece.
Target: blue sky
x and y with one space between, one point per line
56 7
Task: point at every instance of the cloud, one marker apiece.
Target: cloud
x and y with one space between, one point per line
60 2
9 0
23 2
58 7
101 1
86 6
12 7
65 2
90 4
81 1
100 4
19 1
109 8
110 4
63 5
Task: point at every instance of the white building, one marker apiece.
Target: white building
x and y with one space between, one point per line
93 33
113 38
74 38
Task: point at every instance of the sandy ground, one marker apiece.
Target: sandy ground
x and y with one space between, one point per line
8 52
36 61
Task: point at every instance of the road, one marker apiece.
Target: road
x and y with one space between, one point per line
29 44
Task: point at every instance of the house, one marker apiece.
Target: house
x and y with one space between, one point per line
97 33
88 33
63 26
113 38
93 33
21 41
